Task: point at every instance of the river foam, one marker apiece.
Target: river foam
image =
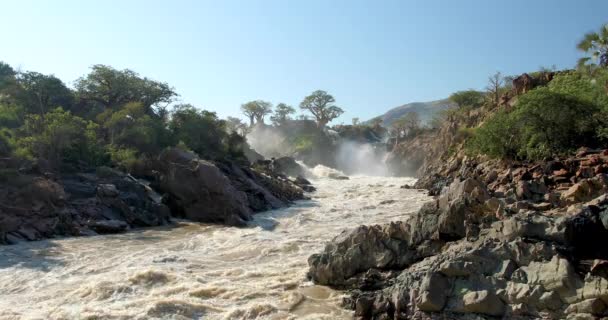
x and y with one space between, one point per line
200 271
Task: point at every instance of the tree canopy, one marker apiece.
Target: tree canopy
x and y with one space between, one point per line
282 113
256 111
595 44
321 105
110 88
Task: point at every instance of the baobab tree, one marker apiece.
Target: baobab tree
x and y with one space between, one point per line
321 105
256 111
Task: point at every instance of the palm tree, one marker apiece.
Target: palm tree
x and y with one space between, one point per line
595 43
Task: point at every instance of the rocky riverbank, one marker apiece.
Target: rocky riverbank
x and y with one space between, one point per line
36 204
501 240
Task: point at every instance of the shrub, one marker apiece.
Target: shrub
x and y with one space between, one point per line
59 136
201 131
543 123
124 158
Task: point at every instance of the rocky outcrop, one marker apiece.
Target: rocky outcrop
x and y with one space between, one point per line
496 243
226 192
34 207
37 204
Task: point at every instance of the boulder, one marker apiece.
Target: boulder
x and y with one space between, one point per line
483 302
288 166
199 191
555 275
433 293
584 190
585 229
108 226
107 190
364 248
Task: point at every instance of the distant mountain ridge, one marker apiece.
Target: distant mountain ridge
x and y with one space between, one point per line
425 110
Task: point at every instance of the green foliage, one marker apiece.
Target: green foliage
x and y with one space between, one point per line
405 126
596 45
256 110
40 93
303 143
107 87
468 98
6 142
131 127
202 132
282 113
125 158
321 105
114 117
11 116
544 123
587 87
59 136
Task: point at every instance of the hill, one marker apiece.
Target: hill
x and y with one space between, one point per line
426 111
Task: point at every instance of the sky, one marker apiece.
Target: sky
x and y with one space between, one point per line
370 55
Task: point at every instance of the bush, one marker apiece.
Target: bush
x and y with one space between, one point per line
124 158
544 123
59 136
6 142
201 131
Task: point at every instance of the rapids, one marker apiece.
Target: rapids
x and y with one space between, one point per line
200 271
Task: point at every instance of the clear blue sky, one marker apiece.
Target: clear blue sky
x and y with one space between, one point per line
371 55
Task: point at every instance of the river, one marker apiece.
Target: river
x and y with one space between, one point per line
200 271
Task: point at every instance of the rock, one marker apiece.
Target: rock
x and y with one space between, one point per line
222 192
337 176
543 206
530 190
199 191
433 293
584 190
364 248
79 189
556 275
585 172
288 166
561 173
507 268
108 226
483 302
600 268
584 230
304 184
591 306
107 190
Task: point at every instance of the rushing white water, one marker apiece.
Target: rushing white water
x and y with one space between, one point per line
200 271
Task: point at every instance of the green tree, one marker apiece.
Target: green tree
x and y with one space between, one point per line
282 113
321 105
595 44
131 127
59 136
256 111
40 93
201 131
7 77
468 98
405 126
234 124
111 88
355 121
